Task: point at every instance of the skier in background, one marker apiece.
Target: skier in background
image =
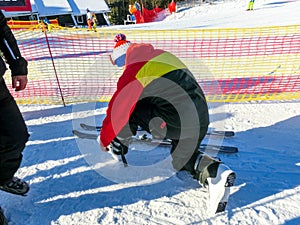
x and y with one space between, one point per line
89 19
172 7
250 5
13 130
48 24
94 22
158 93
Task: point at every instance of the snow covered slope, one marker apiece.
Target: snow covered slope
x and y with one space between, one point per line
66 190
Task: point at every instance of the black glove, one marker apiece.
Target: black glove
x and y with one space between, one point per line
119 146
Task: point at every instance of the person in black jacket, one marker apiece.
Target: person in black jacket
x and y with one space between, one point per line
13 130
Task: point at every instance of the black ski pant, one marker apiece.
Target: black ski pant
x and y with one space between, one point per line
184 151
13 134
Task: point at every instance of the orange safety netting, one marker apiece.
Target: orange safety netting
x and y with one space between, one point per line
17 24
232 65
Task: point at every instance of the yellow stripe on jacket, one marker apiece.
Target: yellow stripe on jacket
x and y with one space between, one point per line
157 67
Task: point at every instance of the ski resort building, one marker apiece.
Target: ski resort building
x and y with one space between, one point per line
68 12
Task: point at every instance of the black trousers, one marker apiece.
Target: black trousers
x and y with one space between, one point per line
13 134
183 151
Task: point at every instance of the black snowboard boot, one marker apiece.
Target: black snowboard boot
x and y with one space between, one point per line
3 220
15 186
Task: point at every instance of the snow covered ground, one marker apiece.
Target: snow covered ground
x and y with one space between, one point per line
229 13
74 183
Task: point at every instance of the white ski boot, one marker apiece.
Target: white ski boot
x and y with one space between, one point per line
219 188
212 173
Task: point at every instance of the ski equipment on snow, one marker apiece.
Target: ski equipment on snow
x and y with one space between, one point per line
219 189
165 142
226 134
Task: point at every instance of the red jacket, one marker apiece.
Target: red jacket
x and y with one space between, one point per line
143 64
